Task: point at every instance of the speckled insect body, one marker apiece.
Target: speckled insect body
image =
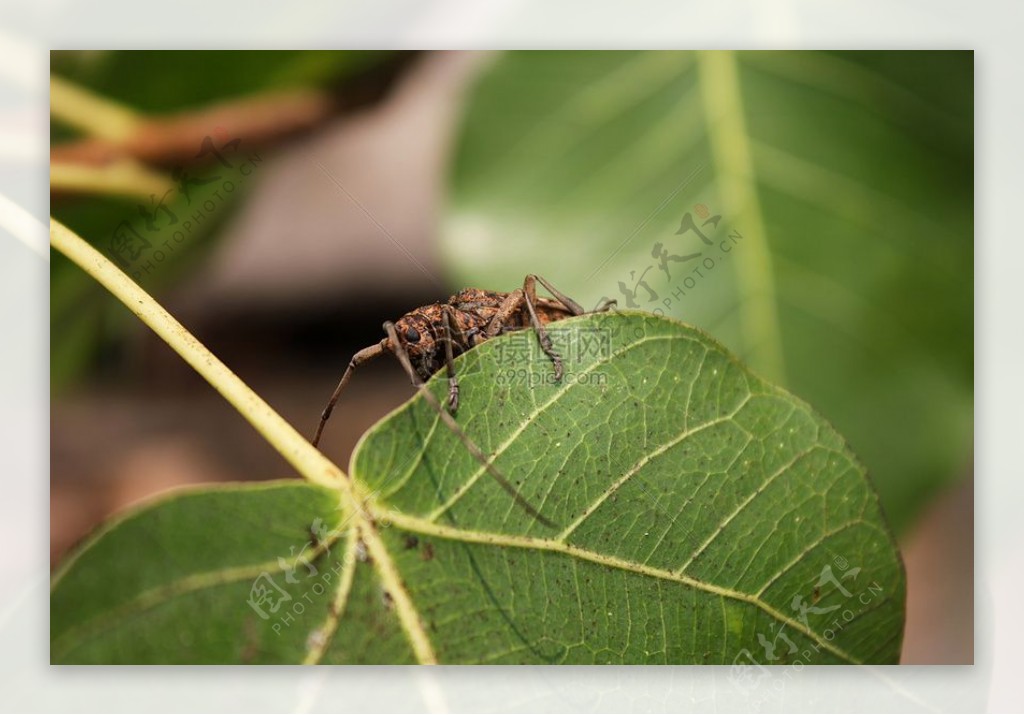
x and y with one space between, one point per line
429 338
472 310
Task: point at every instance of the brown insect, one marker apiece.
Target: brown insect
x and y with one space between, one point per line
431 337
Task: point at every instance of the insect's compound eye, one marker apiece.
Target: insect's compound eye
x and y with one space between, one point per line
412 335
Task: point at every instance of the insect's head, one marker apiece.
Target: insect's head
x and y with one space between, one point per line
414 334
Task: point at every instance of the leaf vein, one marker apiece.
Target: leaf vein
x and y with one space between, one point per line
540 409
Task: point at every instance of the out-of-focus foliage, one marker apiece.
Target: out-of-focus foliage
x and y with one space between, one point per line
849 176
168 81
160 83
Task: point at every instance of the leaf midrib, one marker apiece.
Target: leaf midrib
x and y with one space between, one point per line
440 531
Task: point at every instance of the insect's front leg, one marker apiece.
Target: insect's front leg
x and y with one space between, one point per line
363 356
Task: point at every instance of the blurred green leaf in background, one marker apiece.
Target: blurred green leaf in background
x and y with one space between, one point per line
813 210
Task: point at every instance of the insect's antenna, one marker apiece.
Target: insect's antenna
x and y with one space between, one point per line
468 443
363 356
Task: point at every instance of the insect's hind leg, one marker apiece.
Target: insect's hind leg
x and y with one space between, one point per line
605 305
571 305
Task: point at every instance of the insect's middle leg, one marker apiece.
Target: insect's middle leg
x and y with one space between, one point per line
528 295
469 444
451 329
530 298
509 307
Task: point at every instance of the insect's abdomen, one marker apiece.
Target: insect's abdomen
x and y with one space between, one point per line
548 311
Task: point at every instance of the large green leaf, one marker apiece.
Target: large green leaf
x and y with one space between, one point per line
701 515
849 177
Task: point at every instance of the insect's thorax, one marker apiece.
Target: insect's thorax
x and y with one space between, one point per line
474 313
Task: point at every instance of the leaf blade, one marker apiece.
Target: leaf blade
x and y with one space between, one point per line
702 473
685 556
177 550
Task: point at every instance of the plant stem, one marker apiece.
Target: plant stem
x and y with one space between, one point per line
89 112
309 462
306 459
125 177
